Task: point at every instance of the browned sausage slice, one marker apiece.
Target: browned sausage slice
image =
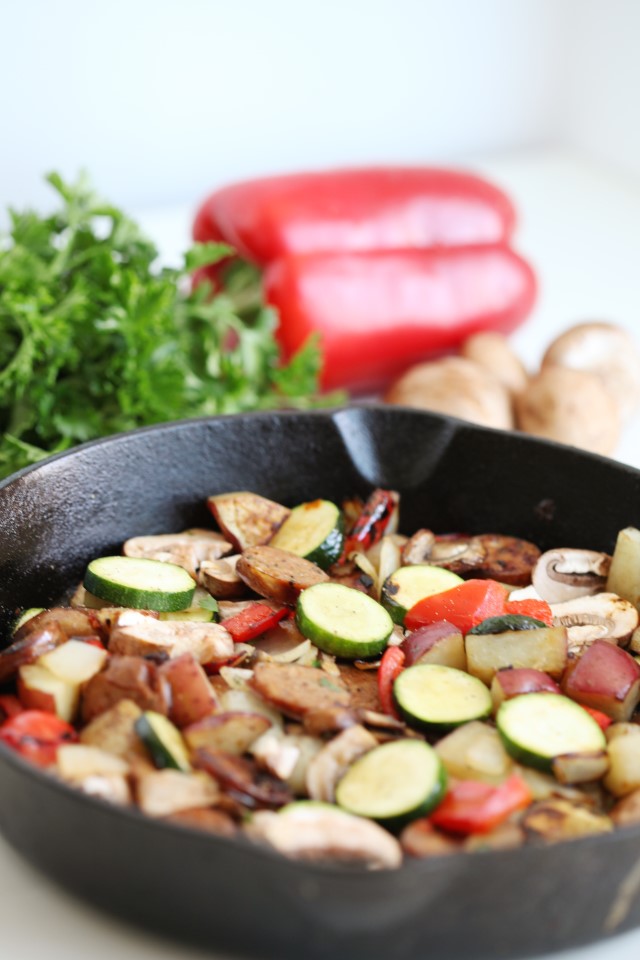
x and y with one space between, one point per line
295 690
278 574
244 778
508 559
362 686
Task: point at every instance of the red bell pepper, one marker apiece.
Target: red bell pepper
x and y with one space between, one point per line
472 806
10 706
464 606
538 609
378 312
370 526
359 209
391 666
37 735
600 718
252 621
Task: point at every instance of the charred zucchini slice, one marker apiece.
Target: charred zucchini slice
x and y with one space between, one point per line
314 531
163 741
404 588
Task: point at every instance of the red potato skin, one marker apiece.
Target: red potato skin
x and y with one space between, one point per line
521 680
378 312
32 698
420 641
605 678
355 209
192 696
28 647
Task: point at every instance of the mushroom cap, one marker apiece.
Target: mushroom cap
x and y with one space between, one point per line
606 350
492 351
565 573
603 616
572 407
454 386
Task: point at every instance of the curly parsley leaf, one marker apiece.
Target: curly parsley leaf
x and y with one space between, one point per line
95 338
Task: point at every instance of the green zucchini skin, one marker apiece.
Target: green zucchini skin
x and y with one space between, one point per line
25 616
407 585
407 774
520 722
140 583
314 531
417 689
342 621
508 621
163 741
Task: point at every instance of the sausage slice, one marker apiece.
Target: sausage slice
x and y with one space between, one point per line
277 574
296 690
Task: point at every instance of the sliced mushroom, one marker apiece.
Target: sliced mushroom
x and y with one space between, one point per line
136 634
563 574
333 761
315 832
221 579
187 549
606 350
557 819
605 616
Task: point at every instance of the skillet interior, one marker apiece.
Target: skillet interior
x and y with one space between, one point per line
231 895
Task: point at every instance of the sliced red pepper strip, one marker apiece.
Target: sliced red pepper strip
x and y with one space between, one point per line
370 526
250 623
538 609
471 806
10 706
391 665
600 718
464 606
37 735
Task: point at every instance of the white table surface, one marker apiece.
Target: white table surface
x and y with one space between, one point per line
580 227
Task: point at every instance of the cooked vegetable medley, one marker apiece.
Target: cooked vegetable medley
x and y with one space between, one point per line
316 681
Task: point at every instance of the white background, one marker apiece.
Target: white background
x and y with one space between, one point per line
162 101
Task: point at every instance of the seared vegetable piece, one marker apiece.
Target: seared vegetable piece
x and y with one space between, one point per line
77 761
605 678
506 622
39 689
432 697
136 634
538 727
513 682
627 810
72 623
391 666
75 661
378 517
421 839
191 615
404 588
558 819
125 678
192 696
188 549
297 690
624 573
329 765
28 648
463 606
163 741
278 575
252 786
26 615
542 649
36 735
395 783
580 767
476 807
314 531
343 621
114 730
221 579
246 519
204 818
143 584
623 776
564 574
253 621
436 643
164 792
315 831
474 751
227 732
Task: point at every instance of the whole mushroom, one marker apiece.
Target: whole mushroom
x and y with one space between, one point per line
605 350
563 574
455 386
492 351
572 407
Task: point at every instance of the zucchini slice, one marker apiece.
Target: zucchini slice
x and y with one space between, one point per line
394 783
508 621
139 583
433 697
25 616
407 585
314 531
538 727
163 741
343 621
190 615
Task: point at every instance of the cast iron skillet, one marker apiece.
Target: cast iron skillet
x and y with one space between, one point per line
229 894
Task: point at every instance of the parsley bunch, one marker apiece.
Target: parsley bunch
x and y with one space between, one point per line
94 339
